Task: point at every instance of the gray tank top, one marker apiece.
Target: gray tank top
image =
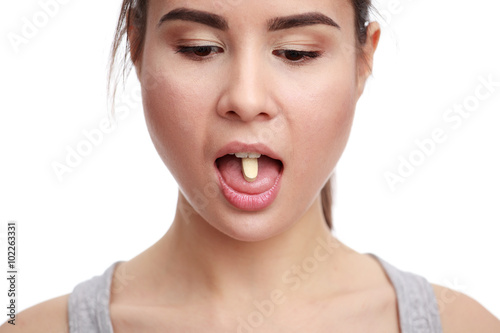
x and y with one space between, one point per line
88 307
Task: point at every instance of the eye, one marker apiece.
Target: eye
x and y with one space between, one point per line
199 52
295 56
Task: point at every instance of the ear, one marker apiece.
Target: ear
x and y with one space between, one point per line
365 58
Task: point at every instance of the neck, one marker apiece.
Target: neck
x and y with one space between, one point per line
221 267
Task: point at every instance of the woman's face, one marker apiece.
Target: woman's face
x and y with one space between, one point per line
275 78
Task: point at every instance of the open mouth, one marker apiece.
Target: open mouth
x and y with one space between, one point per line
252 186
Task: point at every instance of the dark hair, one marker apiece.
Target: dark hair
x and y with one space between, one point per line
133 15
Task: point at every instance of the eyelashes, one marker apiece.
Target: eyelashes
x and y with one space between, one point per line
205 52
199 52
297 56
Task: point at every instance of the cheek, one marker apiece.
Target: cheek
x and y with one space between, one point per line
324 109
176 112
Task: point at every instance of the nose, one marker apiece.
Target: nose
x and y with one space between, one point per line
247 90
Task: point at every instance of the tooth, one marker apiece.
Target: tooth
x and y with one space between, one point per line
247 155
250 168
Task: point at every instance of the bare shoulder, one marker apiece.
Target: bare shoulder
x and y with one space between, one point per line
50 316
462 314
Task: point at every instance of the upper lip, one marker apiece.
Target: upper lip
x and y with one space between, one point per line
240 147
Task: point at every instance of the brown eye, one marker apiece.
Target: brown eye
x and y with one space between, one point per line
199 52
293 55
202 51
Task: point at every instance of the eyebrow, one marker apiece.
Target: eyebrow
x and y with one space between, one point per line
198 16
220 23
300 20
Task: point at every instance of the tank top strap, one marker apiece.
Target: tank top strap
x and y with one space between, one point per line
417 304
88 305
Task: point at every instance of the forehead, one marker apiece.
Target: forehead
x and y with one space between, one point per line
258 12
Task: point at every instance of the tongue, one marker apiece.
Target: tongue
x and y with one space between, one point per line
232 173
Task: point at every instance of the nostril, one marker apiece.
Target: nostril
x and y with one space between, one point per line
232 115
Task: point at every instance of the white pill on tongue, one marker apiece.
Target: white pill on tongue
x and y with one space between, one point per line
250 168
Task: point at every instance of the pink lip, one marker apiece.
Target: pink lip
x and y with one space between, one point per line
244 201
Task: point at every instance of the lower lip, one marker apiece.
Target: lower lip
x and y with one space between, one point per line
249 202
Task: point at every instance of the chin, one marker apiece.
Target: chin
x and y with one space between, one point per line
250 226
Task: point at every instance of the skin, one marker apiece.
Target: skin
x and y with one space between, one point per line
304 113
216 261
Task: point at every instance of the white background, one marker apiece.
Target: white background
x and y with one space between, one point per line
442 223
